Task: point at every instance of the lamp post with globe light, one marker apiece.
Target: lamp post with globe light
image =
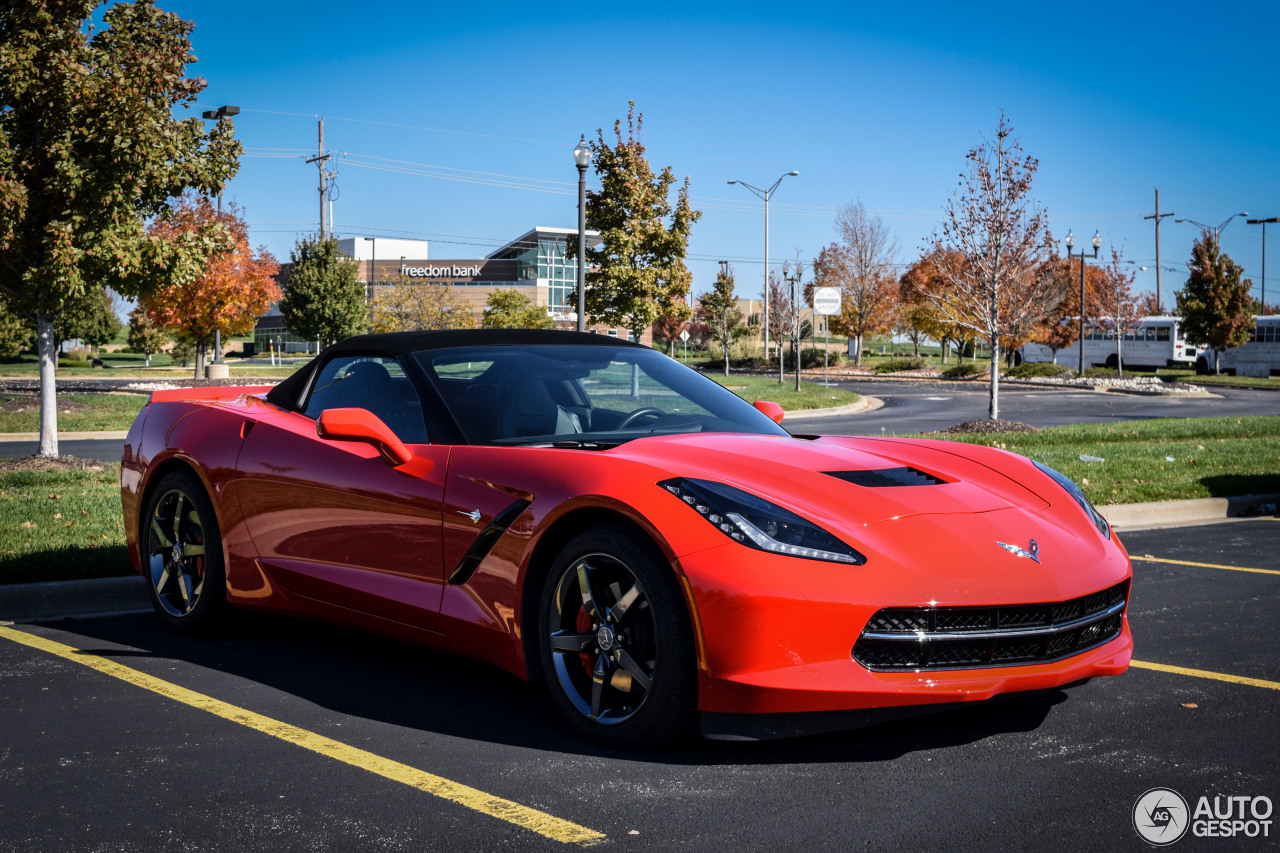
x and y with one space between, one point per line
1097 244
582 159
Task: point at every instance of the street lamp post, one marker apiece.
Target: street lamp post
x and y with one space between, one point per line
1263 223
1097 244
224 111
1217 232
582 159
793 278
766 195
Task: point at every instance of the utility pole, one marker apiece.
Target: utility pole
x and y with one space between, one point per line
1157 216
1264 223
319 160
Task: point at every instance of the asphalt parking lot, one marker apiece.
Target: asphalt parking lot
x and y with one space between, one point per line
281 734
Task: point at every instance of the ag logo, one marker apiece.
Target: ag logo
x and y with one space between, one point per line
1160 816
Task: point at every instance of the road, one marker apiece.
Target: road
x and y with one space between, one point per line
93 762
926 406
911 407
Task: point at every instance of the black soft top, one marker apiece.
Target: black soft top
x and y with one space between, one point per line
288 392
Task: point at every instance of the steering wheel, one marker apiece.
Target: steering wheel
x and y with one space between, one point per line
645 411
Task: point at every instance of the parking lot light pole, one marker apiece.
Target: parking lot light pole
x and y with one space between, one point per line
582 159
1217 232
1263 223
1097 244
766 195
225 111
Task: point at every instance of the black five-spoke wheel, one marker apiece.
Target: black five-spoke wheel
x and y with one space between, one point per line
617 649
182 553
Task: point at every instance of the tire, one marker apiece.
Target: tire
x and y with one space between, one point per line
1112 363
181 551
1202 366
619 659
1017 359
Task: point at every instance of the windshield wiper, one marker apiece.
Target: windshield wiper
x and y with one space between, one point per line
584 444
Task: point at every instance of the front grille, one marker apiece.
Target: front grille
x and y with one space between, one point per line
916 638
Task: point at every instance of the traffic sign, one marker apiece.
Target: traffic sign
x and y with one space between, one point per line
826 301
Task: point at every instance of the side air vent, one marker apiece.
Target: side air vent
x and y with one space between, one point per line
883 477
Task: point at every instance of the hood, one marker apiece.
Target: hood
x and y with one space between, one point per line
842 482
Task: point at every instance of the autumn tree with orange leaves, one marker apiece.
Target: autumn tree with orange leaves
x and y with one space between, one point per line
236 287
917 311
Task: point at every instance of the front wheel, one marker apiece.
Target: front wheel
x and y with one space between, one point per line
1202 366
615 641
182 554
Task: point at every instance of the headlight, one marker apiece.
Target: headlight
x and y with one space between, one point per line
1072 489
757 523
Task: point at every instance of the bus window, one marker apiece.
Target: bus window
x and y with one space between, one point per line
1162 333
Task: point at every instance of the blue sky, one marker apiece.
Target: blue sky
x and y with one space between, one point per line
469 112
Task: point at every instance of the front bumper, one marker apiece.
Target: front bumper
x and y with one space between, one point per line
777 634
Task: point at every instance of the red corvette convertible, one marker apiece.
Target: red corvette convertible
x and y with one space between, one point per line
587 512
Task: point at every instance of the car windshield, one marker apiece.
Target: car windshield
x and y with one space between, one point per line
581 396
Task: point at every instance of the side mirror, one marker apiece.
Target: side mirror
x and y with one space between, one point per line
771 410
363 425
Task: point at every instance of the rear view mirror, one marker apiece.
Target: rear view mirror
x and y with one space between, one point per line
771 410
363 425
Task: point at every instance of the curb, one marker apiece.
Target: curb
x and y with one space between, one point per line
1157 514
34 602
864 404
65 436
29 602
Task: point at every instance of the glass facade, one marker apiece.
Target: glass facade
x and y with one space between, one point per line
545 256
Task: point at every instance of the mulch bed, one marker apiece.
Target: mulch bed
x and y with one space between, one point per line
32 404
986 426
49 463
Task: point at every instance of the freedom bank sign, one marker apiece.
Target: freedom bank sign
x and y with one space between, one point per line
448 271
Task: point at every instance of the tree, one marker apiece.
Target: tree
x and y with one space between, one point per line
403 306
15 334
508 308
145 334
719 310
323 299
1117 306
90 149
1214 304
1060 329
921 276
860 264
91 319
636 274
1001 289
235 286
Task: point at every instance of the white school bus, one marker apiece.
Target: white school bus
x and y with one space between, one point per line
1259 356
1155 342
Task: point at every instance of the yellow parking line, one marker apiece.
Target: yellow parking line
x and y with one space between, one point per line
511 812
1205 565
1204 673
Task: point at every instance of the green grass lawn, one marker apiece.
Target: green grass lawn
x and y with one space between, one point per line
76 412
61 525
64 525
810 396
1212 457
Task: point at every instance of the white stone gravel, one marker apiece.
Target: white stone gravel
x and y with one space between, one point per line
1135 383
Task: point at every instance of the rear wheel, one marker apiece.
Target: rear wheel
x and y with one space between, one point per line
1202 366
1112 363
615 641
182 554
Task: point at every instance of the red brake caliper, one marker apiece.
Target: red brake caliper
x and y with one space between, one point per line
583 626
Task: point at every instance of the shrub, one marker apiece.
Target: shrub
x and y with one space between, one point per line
1028 370
812 358
896 365
1102 373
964 369
73 362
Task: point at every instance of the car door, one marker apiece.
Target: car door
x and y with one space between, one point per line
333 521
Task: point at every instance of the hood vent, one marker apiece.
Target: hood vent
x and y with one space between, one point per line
884 477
